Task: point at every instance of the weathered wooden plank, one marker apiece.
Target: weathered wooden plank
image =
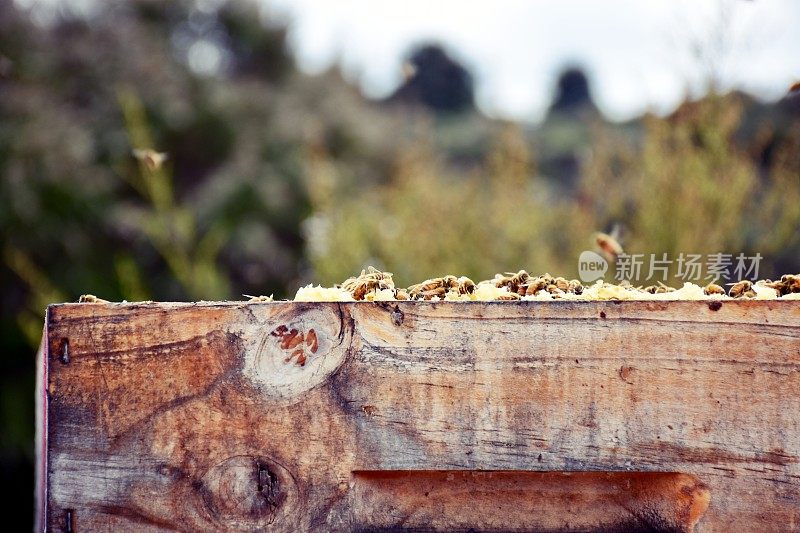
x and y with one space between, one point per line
201 417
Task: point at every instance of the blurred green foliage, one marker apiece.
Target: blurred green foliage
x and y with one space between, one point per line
683 185
276 178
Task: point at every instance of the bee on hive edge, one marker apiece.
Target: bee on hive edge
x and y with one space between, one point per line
713 288
742 289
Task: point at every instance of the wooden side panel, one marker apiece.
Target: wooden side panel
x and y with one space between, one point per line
290 416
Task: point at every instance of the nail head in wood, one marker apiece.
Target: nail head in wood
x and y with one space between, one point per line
69 521
65 351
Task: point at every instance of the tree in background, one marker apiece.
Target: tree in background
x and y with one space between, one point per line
436 81
572 92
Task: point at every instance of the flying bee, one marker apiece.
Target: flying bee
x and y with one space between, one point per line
408 70
609 244
150 158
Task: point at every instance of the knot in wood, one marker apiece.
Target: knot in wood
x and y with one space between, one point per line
244 493
296 349
397 316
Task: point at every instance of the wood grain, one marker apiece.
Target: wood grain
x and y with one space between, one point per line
289 416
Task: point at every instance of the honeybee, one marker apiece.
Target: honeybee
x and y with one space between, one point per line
519 278
713 288
513 282
788 284
536 284
500 280
369 280
562 284
408 70
609 243
791 283
517 282
401 294
437 292
465 285
91 299
359 291
425 286
652 289
150 158
509 296
742 289
257 299
575 287
450 282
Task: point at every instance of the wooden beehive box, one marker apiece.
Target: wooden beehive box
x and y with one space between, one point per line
497 416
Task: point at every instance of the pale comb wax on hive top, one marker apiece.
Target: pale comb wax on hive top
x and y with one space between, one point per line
374 285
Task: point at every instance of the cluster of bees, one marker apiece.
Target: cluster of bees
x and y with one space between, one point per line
788 284
370 280
523 284
438 288
515 286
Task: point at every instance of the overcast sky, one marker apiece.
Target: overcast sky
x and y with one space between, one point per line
639 54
